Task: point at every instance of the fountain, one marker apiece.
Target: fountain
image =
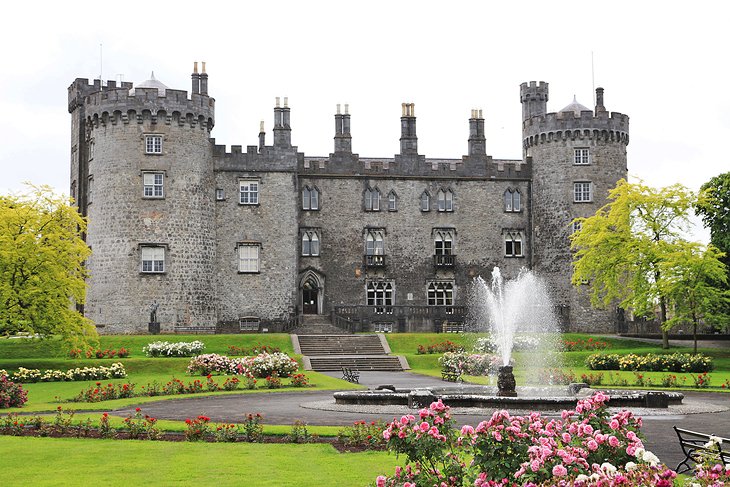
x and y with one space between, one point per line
521 307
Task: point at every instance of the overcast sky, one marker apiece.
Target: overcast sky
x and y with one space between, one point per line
665 64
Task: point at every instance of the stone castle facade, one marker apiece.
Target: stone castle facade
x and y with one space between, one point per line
258 238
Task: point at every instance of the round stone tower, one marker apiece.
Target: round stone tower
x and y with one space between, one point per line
142 172
578 155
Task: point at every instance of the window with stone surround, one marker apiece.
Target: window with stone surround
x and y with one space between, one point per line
248 257
372 199
310 242
153 144
513 243
392 201
445 200
249 323
220 195
582 192
249 191
310 198
443 239
153 183
92 149
577 225
582 156
425 201
153 259
380 294
512 200
440 293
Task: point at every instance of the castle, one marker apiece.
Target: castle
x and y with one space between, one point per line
265 238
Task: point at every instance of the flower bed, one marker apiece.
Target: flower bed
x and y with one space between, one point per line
255 350
447 346
675 362
582 345
213 363
520 343
270 364
173 349
12 394
114 371
98 353
469 363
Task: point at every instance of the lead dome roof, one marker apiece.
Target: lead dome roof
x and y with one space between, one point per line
575 107
152 83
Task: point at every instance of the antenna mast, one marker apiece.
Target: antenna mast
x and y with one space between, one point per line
593 80
101 59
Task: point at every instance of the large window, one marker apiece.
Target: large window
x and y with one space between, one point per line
441 293
582 156
513 244
248 257
372 199
310 242
582 192
249 191
154 183
153 144
310 198
445 200
512 200
374 248
153 259
380 294
443 241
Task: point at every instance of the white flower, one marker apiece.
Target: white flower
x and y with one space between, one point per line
650 458
630 466
639 452
608 468
582 478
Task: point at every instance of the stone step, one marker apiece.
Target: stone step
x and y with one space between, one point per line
341 345
336 363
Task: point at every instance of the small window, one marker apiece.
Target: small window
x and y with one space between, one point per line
248 257
92 149
513 244
153 144
220 195
310 243
582 192
249 192
512 200
392 201
372 200
310 198
153 259
577 225
153 184
445 200
582 156
90 190
441 293
425 201
249 324
383 327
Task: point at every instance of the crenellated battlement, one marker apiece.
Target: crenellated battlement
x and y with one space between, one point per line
560 126
115 104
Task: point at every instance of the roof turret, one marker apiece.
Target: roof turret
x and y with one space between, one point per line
575 107
151 83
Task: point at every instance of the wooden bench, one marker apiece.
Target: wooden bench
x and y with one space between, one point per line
695 450
351 375
451 375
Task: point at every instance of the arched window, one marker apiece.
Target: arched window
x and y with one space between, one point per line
372 200
512 200
392 201
381 295
310 198
425 201
445 200
513 244
374 244
441 293
443 242
310 243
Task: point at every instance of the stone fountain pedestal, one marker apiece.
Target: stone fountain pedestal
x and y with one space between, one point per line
506 384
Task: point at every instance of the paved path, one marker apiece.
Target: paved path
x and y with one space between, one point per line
286 407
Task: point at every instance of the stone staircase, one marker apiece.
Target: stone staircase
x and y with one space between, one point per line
333 352
316 325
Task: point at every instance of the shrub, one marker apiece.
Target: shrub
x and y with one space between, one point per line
299 380
105 429
231 383
447 346
299 433
12 394
592 379
675 362
252 427
142 426
363 434
520 343
556 376
470 364
198 428
267 364
213 363
255 350
273 382
226 433
701 381
176 349
115 371
581 345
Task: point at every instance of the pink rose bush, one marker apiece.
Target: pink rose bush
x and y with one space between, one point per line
574 450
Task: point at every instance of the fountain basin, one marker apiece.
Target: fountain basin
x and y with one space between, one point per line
532 398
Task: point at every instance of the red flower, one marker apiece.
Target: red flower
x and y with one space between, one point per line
138 409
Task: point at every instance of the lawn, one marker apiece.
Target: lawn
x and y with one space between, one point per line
66 461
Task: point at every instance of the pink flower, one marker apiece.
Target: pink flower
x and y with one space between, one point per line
467 430
534 465
614 424
425 426
497 435
613 441
560 471
566 438
380 481
592 445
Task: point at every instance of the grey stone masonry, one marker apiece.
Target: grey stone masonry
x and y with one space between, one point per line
251 238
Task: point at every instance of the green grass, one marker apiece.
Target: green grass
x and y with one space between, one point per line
66 461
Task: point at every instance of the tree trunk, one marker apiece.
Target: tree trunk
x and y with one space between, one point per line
662 320
694 331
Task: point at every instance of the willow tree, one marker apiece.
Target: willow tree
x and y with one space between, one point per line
42 274
621 249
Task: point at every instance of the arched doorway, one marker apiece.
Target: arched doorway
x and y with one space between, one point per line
312 293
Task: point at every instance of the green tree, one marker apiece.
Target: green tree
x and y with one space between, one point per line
713 205
620 249
42 273
691 274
